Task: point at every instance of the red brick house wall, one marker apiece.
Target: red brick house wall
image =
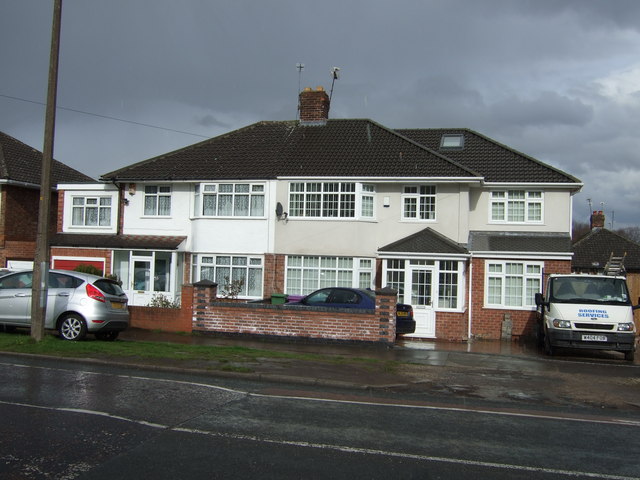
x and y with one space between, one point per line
19 222
486 323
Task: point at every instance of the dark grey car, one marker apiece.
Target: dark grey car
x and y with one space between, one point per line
77 304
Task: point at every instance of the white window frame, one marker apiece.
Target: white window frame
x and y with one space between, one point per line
238 266
421 198
497 274
163 192
531 202
232 192
397 273
308 273
98 205
332 200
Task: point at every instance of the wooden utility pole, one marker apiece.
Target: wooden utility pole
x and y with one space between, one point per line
41 261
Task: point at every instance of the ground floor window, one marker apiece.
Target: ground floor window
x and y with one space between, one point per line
143 270
306 273
236 275
512 284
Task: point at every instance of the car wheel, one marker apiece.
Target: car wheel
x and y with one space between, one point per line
548 349
73 327
107 336
630 355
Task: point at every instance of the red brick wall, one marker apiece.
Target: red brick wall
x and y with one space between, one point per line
165 319
487 322
290 321
274 271
19 226
452 326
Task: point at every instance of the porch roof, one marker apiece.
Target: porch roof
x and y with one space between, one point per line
424 241
519 242
151 242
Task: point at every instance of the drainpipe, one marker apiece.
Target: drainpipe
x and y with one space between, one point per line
121 205
470 297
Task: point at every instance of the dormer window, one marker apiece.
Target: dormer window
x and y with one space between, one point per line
451 141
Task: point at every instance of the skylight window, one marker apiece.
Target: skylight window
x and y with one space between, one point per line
452 141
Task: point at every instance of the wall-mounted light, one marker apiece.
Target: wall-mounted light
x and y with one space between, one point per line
132 189
386 202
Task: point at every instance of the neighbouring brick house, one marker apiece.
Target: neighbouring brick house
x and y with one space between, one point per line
20 167
463 227
592 252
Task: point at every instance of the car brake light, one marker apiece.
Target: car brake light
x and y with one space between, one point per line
94 293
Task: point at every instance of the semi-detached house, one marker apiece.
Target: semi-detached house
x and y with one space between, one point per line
463 227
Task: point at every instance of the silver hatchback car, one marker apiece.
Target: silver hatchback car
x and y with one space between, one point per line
77 304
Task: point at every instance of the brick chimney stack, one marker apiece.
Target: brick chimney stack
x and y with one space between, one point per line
314 106
597 219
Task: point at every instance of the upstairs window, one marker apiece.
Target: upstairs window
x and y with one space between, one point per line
516 206
91 212
332 200
157 200
419 202
367 201
229 200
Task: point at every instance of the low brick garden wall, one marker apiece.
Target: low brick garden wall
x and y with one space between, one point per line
202 311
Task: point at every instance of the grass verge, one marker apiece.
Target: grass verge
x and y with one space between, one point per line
18 342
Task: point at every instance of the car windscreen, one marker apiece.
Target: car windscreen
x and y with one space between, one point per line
109 286
602 290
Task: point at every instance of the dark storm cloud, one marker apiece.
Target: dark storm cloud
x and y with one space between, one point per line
552 78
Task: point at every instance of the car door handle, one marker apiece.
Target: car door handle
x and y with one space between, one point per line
21 294
63 294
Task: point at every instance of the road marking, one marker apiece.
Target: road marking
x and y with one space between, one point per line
337 448
422 406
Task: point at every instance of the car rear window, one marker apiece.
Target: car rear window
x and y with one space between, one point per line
109 286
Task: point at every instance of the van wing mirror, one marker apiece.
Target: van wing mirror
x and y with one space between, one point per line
539 298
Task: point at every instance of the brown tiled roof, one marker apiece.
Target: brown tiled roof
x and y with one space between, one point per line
116 241
519 242
496 162
424 241
21 163
268 150
592 251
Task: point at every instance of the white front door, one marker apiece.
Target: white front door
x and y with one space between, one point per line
421 288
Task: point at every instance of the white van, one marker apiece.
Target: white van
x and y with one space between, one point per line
586 311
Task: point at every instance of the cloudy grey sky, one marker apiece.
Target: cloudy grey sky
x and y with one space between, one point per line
555 79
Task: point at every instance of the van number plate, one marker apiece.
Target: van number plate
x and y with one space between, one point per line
594 338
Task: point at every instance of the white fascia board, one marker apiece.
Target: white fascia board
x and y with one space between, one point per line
525 255
106 187
575 186
387 179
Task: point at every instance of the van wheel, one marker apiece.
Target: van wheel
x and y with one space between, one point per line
73 327
630 355
548 349
107 336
